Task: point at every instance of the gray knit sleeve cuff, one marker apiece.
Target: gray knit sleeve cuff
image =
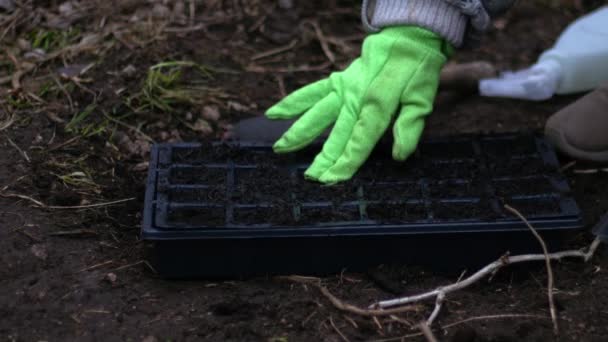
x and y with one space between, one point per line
437 16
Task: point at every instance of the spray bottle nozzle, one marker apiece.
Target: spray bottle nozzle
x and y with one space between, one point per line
536 83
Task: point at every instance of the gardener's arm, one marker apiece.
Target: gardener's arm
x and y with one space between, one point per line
398 70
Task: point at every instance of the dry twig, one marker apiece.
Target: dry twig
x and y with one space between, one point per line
464 321
88 206
275 51
438 305
8 122
96 266
301 68
22 152
331 321
322 40
586 254
36 202
426 332
140 262
550 277
489 317
349 307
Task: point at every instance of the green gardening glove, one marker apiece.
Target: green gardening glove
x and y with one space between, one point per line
399 66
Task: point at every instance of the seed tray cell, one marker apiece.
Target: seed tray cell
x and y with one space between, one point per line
225 210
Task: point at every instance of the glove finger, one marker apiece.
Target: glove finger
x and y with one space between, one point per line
335 144
311 125
373 122
300 101
409 126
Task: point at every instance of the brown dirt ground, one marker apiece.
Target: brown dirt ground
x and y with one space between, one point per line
78 274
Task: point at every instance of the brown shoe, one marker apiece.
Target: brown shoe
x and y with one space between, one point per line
581 129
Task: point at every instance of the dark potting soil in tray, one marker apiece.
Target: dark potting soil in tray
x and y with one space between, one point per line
467 179
216 193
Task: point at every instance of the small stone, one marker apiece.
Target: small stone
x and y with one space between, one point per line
129 70
189 116
202 127
141 167
39 251
150 339
137 147
66 9
239 107
211 113
72 71
179 12
111 278
175 136
36 54
161 11
24 44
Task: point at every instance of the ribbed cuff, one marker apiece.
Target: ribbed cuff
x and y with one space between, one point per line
434 15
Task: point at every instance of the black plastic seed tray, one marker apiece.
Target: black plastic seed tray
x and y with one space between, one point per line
218 210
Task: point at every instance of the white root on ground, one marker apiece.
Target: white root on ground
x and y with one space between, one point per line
438 294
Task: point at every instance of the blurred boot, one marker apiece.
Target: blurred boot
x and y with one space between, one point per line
581 129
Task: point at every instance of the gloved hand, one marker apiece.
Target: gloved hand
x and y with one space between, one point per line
399 66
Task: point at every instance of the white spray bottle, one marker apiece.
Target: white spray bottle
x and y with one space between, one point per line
578 62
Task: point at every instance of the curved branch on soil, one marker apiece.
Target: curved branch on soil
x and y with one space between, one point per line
340 305
586 254
550 277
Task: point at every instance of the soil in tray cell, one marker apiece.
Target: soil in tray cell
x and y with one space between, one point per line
207 153
374 171
466 170
199 217
518 167
447 189
261 157
212 194
523 187
262 185
328 214
268 215
480 211
198 175
311 192
395 212
502 148
395 192
448 151
535 207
